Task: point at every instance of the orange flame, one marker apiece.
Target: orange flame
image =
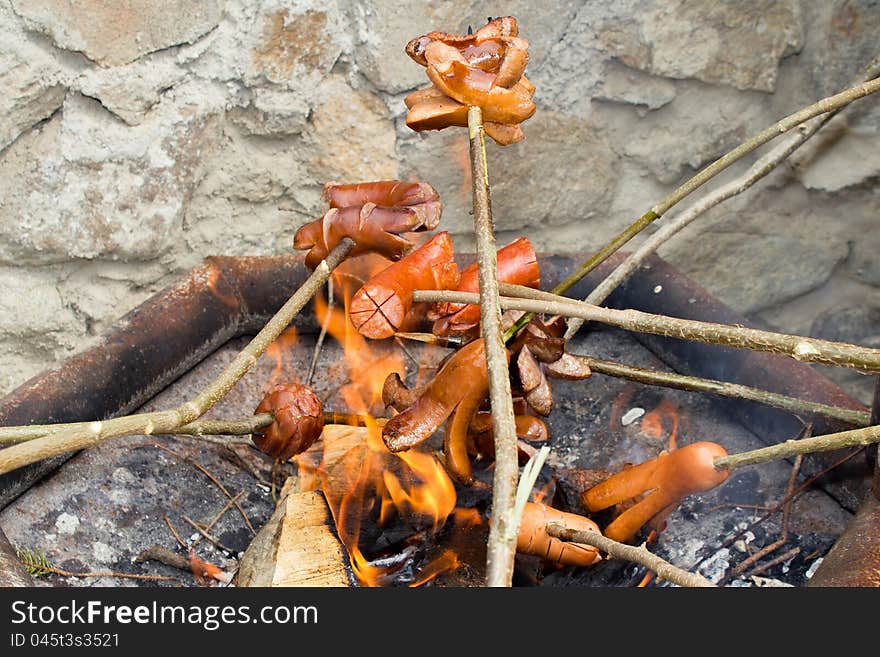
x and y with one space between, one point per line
368 487
369 363
282 353
368 481
653 423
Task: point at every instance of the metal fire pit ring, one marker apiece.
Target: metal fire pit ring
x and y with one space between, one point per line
228 297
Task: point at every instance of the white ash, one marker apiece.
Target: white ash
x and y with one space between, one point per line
632 415
812 569
715 567
103 552
742 544
658 289
67 523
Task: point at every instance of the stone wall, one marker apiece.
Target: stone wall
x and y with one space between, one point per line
137 138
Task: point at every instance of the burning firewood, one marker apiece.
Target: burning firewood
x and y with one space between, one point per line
373 214
517 263
484 69
533 538
299 419
384 504
667 479
297 546
379 308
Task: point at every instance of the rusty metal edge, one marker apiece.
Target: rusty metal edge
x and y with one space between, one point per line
227 297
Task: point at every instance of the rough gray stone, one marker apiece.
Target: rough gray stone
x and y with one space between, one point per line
575 193
272 112
762 255
622 84
31 82
699 125
293 47
718 42
837 51
96 187
383 30
350 136
750 273
855 324
131 91
113 33
850 158
37 325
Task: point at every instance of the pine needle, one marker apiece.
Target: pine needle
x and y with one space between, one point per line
35 562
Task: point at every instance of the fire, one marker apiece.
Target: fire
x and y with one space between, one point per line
653 423
281 352
376 496
370 490
369 363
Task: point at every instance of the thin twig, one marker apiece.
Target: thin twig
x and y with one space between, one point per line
632 553
800 348
783 532
67 573
203 533
828 442
161 422
211 478
830 104
174 533
725 389
240 461
501 548
200 428
761 168
229 504
323 334
773 509
782 558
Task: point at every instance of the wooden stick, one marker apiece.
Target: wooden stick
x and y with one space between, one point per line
673 225
782 126
841 439
639 555
240 427
725 389
501 547
199 428
800 348
93 433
